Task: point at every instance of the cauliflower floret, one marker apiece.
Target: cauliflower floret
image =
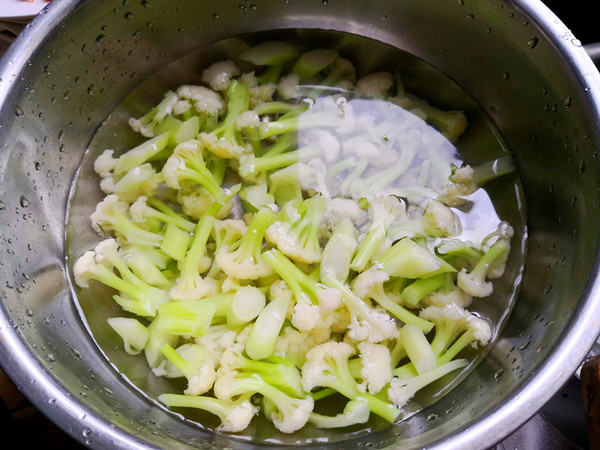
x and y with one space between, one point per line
247 119
455 328
506 232
440 221
195 203
293 344
306 316
258 93
222 147
339 209
238 418
461 185
494 259
443 298
105 163
181 107
83 267
375 85
205 100
139 126
376 366
203 376
288 87
216 339
219 75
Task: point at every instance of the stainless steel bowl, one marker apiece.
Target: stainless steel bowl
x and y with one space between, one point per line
78 60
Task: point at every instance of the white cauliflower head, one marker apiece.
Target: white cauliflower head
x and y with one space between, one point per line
219 75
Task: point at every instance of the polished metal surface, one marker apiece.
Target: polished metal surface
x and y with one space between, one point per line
78 60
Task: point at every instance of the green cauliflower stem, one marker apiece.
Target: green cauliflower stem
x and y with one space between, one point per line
235 415
327 366
401 390
369 284
112 215
455 329
300 240
355 412
226 141
138 297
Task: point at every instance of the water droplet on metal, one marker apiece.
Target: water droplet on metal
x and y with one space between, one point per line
498 374
568 102
51 357
506 75
215 16
525 345
19 111
2 205
145 3
128 16
23 201
100 38
532 42
29 312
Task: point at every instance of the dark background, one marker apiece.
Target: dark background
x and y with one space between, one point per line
580 16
